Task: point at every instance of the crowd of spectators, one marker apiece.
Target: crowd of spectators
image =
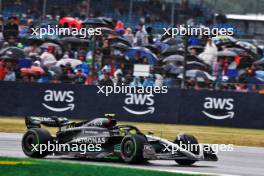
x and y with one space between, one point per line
98 62
157 11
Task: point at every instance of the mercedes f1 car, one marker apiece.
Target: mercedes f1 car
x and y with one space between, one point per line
125 142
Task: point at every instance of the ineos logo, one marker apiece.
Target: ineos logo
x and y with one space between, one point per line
59 96
225 104
140 99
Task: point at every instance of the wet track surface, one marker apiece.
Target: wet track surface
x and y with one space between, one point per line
248 161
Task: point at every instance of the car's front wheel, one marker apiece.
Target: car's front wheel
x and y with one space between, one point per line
191 144
132 148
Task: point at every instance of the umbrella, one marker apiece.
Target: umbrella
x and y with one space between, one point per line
173 69
106 30
33 70
194 58
75 41
160 45
172 50
221 40
120 46
153 48
32 39
173 41
73 62
72 22
12 53
198 74
198 48
196 65
144 52
96 22
259 62
119 40
248 46
58 48
174 58
238 51
53 39
109 21
226 53
8 58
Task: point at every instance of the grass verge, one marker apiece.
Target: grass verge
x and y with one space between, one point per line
30 167
205 134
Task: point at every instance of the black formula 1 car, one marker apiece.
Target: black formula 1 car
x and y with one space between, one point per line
103 138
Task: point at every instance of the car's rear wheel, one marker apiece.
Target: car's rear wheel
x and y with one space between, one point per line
32 140
132 148
191 144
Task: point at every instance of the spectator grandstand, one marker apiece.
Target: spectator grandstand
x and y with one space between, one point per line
132 34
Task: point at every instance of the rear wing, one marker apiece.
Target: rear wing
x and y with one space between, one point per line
36 122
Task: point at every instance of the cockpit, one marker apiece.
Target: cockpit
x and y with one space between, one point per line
101 122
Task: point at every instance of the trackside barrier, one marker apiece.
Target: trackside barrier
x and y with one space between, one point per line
214 108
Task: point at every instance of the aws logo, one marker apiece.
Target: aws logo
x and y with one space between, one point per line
225 105
140 100
65 97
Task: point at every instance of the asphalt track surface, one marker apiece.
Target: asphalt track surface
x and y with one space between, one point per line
248 161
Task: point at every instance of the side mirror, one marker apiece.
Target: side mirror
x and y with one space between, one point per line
109 115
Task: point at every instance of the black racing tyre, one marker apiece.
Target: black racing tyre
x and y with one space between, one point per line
36 136
187 140
132 148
